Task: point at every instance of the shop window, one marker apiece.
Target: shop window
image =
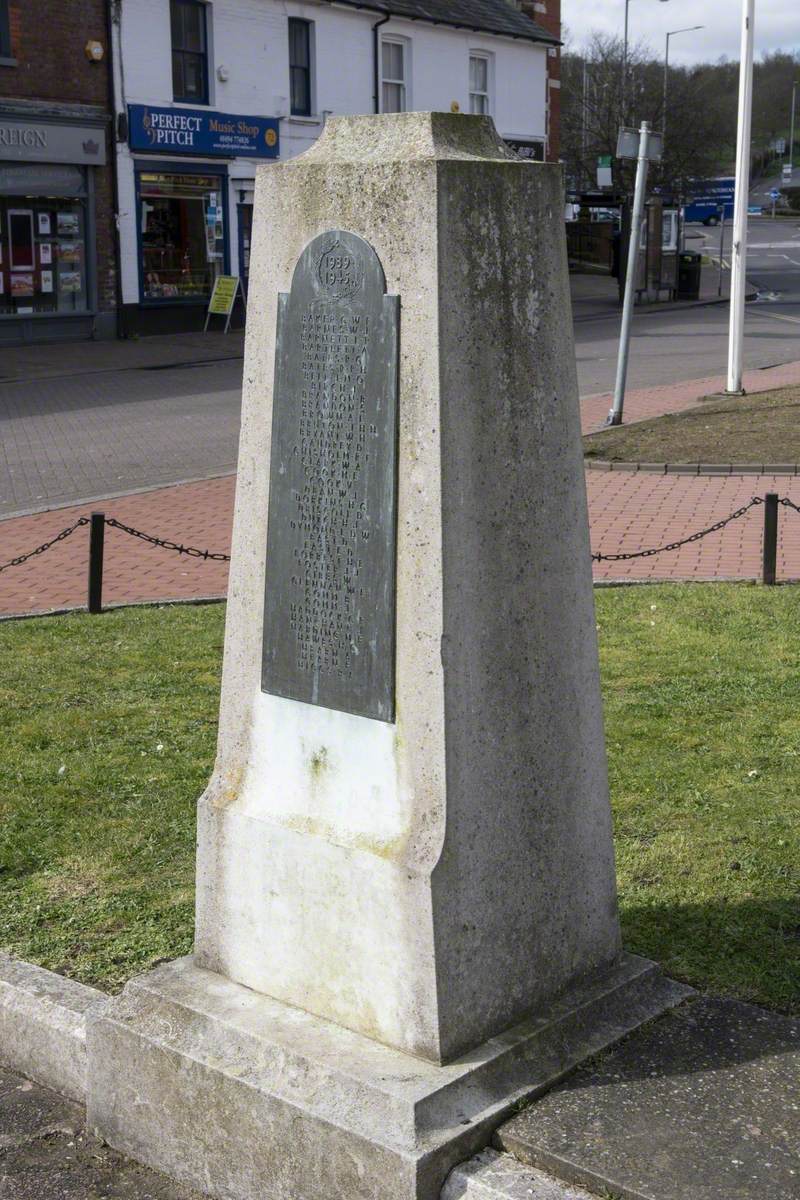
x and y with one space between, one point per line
5 31
393 76
182 232
300 66
479 84
42 247
189 51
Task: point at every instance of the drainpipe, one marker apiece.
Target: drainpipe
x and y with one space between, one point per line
376 47
113 17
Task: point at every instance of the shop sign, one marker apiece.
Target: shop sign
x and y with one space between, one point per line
25 139
533 151
198 131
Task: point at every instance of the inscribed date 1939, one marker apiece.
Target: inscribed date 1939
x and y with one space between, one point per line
329 609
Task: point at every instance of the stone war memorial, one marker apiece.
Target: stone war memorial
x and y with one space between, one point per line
406 908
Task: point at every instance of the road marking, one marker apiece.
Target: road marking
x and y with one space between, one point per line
775 316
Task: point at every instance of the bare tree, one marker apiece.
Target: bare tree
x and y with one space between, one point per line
699 125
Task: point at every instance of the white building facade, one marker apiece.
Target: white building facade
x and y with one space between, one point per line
205 90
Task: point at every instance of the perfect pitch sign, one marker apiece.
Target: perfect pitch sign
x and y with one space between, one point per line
201 132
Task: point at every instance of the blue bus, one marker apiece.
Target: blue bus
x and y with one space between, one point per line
708 199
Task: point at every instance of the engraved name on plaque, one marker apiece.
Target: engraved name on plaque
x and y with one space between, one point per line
329 606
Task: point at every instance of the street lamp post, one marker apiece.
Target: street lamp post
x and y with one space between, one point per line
688 29
791 130
739 243
625 62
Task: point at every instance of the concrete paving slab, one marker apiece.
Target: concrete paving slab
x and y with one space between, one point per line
702 1104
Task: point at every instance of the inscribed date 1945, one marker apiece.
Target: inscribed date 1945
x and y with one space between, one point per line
329 609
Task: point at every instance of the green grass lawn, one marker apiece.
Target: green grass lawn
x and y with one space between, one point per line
760 428
108 739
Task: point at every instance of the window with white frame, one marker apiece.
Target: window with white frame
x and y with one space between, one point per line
479 84
393 75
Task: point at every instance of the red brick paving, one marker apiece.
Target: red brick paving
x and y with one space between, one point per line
635 511
198 514
674 397
628 511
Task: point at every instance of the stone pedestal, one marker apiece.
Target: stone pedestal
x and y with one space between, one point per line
396 876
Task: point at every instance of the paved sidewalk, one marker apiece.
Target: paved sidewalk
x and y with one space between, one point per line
645 403
60 360
197 514
595 296
628 512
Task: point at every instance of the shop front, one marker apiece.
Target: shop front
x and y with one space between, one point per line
48 229
191 225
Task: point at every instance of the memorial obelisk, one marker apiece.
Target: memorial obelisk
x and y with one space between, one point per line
406 907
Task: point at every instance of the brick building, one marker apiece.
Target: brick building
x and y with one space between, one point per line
547 14
58 277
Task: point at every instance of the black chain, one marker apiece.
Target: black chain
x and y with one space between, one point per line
193 552
694 537
165 544
65 533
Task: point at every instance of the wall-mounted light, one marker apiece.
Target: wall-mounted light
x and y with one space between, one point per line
94 51
223 74
455 106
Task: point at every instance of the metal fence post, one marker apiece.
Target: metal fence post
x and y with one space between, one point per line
96 538
770 537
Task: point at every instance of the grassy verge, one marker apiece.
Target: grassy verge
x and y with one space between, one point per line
108 737
762 428
107 728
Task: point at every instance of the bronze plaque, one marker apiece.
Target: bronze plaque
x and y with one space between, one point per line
329 606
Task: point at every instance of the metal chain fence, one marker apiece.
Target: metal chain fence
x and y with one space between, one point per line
693 537
99 520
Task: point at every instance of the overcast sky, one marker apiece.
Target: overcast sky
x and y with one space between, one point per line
777 25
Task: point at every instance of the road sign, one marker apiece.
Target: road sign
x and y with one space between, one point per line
774 194
628 144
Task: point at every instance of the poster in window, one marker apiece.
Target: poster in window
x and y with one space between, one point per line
47 281
67 224
20 238
21 284
44 224
45 253
71 253
69 281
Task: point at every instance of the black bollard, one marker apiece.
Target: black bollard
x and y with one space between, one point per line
96 537
770 538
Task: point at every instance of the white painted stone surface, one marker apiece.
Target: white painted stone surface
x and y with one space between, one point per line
430 882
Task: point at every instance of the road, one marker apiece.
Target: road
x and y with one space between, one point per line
86 436
672 346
